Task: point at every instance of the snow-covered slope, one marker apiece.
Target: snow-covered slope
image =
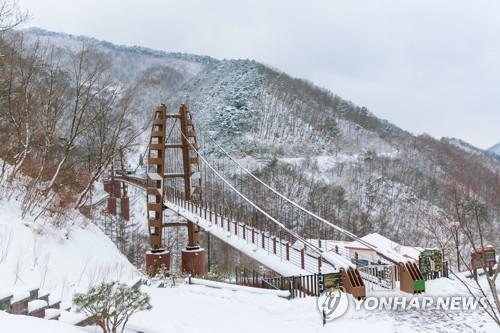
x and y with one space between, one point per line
60 260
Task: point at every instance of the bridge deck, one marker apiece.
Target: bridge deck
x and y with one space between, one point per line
284 258
262 247
263 254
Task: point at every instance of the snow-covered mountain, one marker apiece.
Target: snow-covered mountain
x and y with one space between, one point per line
463 145
495 149
352 167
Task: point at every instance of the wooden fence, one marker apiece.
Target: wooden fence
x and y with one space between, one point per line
298 286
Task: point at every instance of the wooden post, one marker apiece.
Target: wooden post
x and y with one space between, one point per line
274 244
308 285
302 258
210 212
287 251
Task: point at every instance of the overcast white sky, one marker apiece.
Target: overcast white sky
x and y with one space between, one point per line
427 66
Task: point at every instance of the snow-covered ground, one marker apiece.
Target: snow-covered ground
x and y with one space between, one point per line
24 324
195 308
60 260
198 308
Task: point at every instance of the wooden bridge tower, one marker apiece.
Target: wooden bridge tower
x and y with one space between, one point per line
160 152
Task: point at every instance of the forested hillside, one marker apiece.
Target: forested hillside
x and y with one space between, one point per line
336 158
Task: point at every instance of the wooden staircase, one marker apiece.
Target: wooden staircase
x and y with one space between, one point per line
353 283
411 279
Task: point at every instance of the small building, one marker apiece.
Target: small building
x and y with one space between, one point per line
369 256
365 255
484 258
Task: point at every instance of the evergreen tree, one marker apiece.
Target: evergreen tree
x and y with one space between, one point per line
112 304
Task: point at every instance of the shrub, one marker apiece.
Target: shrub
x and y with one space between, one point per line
112 304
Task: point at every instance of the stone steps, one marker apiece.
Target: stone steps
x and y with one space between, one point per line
30 301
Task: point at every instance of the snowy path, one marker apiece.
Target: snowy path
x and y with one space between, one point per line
432 320
192 309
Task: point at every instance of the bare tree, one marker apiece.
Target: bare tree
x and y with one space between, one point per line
89 80
112 134
473 219
10 15
51 99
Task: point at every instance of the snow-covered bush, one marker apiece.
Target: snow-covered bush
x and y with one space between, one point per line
112 304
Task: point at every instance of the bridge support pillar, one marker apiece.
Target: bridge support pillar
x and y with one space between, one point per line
158 262
193 261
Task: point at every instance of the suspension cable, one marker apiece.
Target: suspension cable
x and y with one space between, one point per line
342 230
314 247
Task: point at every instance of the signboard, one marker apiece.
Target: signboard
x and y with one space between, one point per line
430 261
489 257
332 281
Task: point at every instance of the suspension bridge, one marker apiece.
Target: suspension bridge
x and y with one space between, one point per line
192 175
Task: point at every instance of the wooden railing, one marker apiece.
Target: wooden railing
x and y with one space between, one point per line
298 286
279 242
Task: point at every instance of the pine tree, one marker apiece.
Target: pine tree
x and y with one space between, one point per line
112 304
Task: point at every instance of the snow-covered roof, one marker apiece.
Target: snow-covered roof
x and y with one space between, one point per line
411 252
379 240
385 244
